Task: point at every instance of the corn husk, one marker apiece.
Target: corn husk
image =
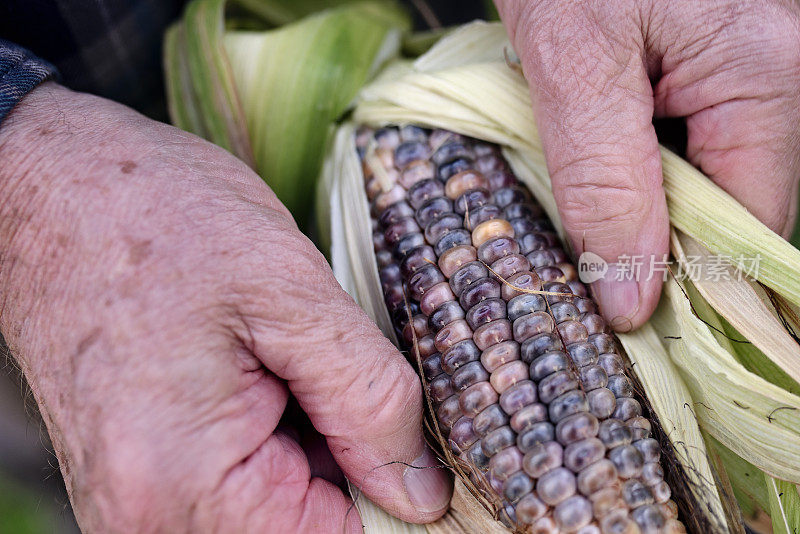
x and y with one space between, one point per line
248 91
740 395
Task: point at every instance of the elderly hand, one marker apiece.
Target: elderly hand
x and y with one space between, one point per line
600 70
163 305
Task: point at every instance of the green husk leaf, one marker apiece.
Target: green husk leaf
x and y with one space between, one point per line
296 80
770 352
744 476
270 96
217 102
784 508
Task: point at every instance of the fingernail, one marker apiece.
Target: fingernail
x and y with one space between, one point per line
617 294
427 484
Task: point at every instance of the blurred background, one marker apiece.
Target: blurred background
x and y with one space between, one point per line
32 495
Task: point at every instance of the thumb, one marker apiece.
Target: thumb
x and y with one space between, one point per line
594 107
355 386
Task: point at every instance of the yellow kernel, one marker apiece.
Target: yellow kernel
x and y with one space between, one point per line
490 229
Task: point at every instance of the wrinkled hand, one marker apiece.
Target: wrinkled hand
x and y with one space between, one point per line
600 70
163 304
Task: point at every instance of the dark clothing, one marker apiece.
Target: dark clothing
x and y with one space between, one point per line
111 48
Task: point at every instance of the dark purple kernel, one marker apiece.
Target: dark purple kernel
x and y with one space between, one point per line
612 363
489 419
397 230
441 226
472 200
486 288
620 385
413 133
558 254
522 226
476 457
511 195
485 312
454 167
395 212
423 191
523 209
563 311
525 304
452 239
517 486
533 241
460 354
557 384
583 353
594 323
407 243
469 374
541 258
585 305
416 258
500 179
432 209
603 342
378 241
549 273
627 408
538 345
445 314
423 279
432 366
518 396
390 275
410 151
467 274
449 411
549 363
394 296
499 247
497 440
535 434
462 436
559 292
614 433
384 258
440 387
483 213
593 377
451 151
569 403
400 314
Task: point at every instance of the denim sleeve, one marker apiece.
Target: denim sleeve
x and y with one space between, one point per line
20 72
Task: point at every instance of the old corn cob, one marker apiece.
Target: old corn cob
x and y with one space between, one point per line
527 382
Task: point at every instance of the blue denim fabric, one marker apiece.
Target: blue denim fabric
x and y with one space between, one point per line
20 71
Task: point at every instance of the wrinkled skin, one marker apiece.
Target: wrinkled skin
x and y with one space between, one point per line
600 70
163 304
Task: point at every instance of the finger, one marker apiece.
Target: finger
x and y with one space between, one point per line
594 108
739 92
273 491
357 389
